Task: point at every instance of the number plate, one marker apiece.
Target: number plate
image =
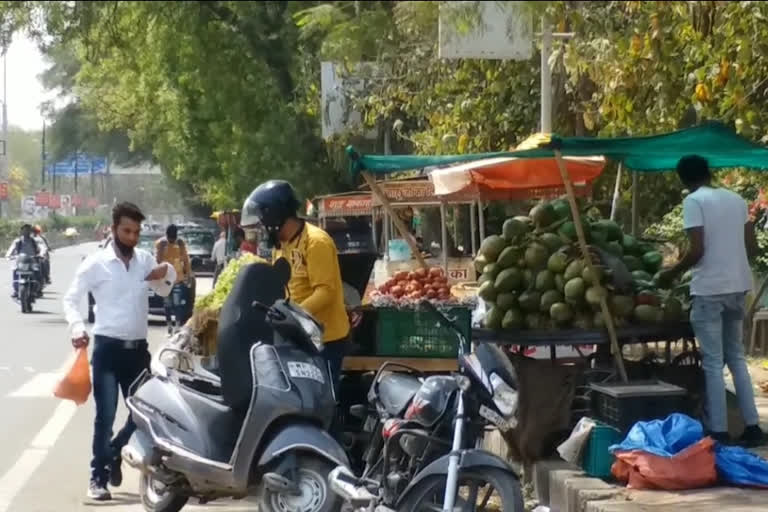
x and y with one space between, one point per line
299 370
497 420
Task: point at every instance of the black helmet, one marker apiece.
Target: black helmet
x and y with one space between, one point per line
269 205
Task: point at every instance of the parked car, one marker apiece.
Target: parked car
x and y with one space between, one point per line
200 243
156 303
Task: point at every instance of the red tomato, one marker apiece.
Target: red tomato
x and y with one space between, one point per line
397 291
435 271
401 276
431 294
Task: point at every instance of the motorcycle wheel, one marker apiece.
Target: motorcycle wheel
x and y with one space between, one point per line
156 497
316 495
25 300
429 493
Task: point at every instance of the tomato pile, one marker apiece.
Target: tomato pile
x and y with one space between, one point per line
420 284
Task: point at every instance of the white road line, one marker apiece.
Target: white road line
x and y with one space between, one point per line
29 369
14 480
5 368
17 476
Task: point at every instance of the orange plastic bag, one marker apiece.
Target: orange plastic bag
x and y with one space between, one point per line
76 384
692 468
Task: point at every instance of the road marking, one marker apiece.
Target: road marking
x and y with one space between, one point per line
5 368
39 386
16 477
51 431
29 369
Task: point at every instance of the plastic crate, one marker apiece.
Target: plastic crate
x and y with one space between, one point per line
417 333
597 460
623 405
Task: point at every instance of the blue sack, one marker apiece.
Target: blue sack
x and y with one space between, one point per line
665 437
738 466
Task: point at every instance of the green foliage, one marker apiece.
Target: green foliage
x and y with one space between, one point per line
215 299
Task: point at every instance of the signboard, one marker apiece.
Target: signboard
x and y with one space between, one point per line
77 201
42 198
346 206
497 30
4 191
54 201
416 192
30 210
92 202
80 165
337 91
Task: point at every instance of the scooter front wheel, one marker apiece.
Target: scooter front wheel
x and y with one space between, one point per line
314 494
157 497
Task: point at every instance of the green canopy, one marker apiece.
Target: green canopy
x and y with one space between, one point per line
720 145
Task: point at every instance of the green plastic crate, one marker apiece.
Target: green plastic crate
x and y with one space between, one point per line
597 459
416 333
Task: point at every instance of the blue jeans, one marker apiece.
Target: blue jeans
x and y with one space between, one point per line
717 321
333 353
112 366
176 304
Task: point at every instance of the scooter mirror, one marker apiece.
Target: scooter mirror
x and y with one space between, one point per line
283 269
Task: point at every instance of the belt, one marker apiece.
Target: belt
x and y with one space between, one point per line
124 344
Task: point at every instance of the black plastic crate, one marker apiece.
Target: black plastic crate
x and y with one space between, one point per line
622 405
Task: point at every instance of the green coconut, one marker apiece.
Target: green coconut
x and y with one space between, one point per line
583 321
542 215
487 292
545 280
535 321
509 257
610 228
560 283
551 241
562 209
513 319
630 244
508 280
574 289
561 313
642 275
574 269
492 247
652 261
536 256
594 295
506 301
529 278
529 301
557 263
591 277
493 319
480 262
548 298
622 305
492 269
615 248
515 228
647 314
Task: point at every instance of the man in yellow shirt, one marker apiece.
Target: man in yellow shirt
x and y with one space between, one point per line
315 275
173 250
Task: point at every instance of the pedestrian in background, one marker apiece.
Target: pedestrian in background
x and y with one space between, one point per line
171 249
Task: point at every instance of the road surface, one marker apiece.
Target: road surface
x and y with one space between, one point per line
45 443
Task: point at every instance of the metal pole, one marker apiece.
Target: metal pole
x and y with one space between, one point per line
473 227
546 77
42 155
444 235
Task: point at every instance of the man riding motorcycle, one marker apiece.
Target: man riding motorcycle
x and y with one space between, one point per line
24 244
45 252
315 282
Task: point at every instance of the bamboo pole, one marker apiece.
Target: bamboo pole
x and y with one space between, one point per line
399 224
616 192
615 348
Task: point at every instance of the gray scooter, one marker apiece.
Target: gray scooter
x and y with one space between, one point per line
258 426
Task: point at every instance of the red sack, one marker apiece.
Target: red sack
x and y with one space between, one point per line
76 384
692 468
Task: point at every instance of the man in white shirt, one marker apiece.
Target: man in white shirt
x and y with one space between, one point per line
721 243
219 255
118 277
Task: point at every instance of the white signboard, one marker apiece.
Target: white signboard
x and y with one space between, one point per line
338 89
31 211
485 30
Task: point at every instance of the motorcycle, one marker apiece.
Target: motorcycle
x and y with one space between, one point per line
257 425
424 451
28 283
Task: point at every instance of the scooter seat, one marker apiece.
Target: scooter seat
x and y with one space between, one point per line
395 392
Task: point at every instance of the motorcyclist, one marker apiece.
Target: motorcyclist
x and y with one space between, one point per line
315 275
45 252
24 244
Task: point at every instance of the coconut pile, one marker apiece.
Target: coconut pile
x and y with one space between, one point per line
533 276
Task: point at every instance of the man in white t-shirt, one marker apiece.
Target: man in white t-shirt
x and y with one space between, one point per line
721 243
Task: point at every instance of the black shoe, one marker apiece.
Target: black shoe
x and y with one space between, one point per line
116 472
98 492
752 437
721 437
